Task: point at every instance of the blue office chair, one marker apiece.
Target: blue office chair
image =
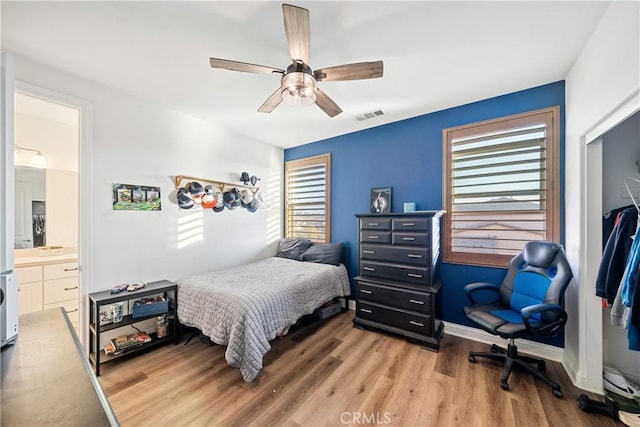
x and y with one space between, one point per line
528 303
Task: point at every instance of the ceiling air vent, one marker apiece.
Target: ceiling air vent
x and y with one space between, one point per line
369 115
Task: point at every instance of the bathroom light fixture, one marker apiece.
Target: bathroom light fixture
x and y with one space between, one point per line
37 160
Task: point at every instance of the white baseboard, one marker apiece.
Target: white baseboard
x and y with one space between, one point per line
532 348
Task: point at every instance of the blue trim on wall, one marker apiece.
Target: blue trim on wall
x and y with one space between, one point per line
407 155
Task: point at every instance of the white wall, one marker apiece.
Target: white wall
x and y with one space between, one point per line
601 87
620 154
138 142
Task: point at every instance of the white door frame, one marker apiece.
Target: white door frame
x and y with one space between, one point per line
85 195
591 351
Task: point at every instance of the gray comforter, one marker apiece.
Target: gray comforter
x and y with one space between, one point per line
247 306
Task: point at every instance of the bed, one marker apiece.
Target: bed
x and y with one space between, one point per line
247 306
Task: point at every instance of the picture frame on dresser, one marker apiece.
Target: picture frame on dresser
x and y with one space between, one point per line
380 200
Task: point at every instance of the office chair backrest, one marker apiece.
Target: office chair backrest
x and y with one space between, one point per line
539 274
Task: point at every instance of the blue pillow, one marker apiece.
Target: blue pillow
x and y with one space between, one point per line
329 253
292 248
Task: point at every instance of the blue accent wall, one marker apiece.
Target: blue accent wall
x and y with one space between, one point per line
407 155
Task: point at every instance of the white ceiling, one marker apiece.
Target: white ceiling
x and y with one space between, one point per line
436 54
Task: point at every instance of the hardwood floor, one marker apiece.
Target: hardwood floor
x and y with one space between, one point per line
334 374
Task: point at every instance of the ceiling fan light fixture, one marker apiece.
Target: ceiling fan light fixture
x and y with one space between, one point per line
299 89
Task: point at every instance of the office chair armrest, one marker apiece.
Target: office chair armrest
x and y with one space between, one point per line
548 329
481 286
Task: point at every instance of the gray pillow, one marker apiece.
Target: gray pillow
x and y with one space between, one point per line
292 248
330 253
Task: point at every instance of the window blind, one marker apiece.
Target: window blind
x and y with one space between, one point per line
307 198
500 193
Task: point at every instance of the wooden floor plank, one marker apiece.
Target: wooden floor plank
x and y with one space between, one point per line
334 374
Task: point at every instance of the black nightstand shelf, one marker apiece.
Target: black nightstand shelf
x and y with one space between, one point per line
99 299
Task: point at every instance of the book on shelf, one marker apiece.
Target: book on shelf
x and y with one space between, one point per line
122 343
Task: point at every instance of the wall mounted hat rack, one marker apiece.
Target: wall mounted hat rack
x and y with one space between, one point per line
224 186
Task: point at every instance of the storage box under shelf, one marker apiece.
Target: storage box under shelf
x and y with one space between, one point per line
144 310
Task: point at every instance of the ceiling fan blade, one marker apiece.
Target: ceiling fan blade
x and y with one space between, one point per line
327 105
272 102
296 26
357 71
243 66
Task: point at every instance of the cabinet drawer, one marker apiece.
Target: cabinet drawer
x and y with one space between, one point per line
375 224
418 239
410 224
418 256
56 290
401 298
375 236
70 306
57 271
404 273
29 274
413 322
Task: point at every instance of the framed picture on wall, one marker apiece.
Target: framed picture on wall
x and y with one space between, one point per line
136 197
380 200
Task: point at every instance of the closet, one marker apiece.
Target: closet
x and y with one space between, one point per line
620 181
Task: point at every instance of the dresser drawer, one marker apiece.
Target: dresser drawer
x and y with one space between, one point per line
418 256
56 290
417 239
400 298
410 224
375 236
70 306
29 274
413 322
57 271
375 224
404 273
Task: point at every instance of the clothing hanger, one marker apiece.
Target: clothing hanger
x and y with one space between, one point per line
626 184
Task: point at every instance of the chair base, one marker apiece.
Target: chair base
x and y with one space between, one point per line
511 358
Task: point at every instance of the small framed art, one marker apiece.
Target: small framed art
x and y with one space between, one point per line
136 197
380 200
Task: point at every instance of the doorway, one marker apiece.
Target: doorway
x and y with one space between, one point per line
50 130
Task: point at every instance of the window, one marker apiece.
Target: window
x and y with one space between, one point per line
308 198
501 187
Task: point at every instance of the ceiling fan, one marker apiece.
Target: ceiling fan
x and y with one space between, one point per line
298 86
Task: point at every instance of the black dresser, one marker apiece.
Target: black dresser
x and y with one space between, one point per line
398 284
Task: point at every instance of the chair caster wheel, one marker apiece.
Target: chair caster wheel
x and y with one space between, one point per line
542 367
557 393
471 359
504 385
493 349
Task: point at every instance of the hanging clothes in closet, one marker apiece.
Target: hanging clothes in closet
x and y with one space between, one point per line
622 308
616 251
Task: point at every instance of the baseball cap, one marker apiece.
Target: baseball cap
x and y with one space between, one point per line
184 199
196 189
219 207
253 206
246 197
209 198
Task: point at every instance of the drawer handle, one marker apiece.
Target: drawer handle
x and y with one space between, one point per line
418 276
71 269
69 289
410 239
374 237
414 256
71 311
368 268
364 291
415 301
365 310
373 224
415 323
408 224
369 252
